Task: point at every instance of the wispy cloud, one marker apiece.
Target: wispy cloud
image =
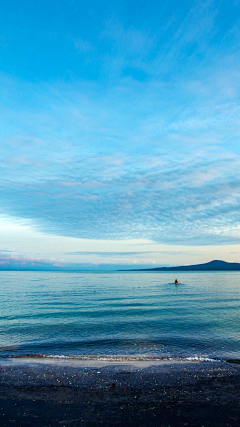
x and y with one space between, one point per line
147 147
103 254
199 193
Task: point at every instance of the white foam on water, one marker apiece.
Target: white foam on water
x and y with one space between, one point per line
114 359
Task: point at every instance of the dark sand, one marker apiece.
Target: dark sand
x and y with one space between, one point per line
179 394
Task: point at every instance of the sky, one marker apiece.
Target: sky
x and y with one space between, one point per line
119 133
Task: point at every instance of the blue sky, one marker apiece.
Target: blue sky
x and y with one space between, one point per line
119 126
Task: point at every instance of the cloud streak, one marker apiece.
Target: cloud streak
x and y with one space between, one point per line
103 254
146 146
199 193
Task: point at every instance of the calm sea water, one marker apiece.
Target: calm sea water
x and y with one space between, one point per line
120 313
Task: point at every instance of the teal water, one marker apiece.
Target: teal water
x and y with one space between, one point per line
120 313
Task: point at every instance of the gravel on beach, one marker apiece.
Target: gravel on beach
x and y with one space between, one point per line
204 394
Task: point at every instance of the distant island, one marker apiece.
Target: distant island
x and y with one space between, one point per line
215 265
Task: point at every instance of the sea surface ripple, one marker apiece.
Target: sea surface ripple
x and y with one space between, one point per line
120 313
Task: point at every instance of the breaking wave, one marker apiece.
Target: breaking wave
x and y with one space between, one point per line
117 358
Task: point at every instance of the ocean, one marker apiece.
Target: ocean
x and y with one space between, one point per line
120 314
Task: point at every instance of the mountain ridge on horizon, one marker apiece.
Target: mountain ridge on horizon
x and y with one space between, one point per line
214 265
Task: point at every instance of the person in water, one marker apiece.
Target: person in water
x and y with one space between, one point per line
176 282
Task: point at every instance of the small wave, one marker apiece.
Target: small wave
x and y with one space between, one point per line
202 359
117 359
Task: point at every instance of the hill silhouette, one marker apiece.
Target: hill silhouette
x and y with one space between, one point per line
215 265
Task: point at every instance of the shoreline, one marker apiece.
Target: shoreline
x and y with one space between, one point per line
92 361
167 394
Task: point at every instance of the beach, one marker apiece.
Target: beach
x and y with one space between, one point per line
108 350
62 392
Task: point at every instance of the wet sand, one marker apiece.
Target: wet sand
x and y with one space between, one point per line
66 393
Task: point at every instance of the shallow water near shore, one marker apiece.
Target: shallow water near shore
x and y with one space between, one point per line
116 314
